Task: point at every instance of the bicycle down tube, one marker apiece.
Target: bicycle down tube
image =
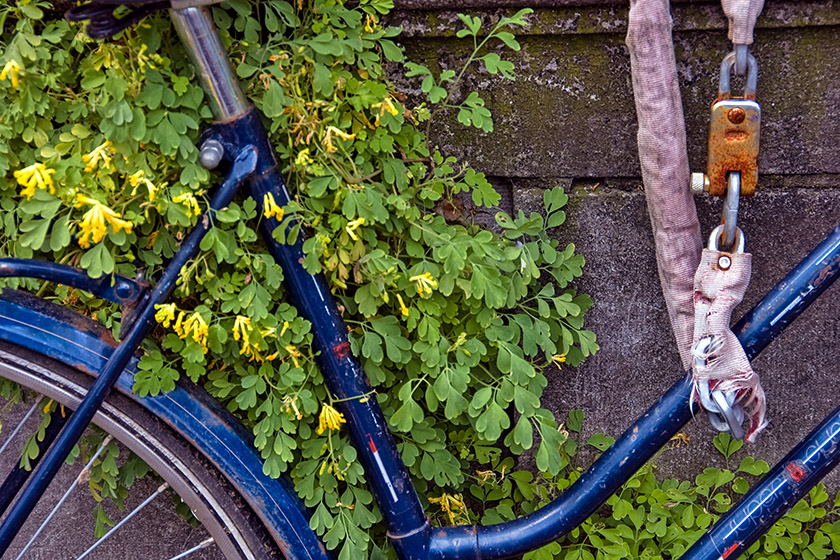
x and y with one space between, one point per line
239 134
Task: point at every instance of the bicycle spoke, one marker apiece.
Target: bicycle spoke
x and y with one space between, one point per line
76 482
125 519
196 548
19 427
18 476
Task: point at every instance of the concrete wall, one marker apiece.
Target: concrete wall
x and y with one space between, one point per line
569 119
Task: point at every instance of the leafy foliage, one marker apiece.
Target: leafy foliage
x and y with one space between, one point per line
649 518
456 326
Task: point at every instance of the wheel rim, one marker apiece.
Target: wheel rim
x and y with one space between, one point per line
142 442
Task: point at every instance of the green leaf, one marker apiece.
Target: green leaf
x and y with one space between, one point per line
492 421
600 442
726 444
34 232
495 65
406 416
753 467
97 261
574 421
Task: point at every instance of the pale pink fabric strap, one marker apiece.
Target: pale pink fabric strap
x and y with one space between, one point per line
664 160
742 15
717 291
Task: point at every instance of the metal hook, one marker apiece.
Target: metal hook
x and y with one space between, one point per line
714 240
725 414
742 52
725 86
730 209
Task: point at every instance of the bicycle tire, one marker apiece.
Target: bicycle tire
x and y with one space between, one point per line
260 517
234 527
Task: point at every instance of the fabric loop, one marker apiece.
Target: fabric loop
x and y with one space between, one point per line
742 15
720 358
664 161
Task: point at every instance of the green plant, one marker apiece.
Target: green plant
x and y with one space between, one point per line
457 327
649 518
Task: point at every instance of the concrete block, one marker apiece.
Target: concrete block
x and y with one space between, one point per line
570 113
638 358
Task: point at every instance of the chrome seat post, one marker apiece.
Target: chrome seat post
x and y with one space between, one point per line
198 33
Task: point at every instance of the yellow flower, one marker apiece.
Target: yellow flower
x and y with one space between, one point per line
294 353
189 201
242 331
403 308
139 178
285 328
386 105
370 23
143 61
324 241
289 404
351 228
49 407
94 224
177 328
36 175
268 332
425 283
303 158
11 71
196 328
330 419
331 130
453 506
558 359
102 154
165 313
241 327
680 439
270 207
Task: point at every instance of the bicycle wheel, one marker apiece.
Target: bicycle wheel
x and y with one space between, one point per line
234 528
41 332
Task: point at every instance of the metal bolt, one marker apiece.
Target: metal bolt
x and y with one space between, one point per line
736 115
211 154
699 183
123 290
724 262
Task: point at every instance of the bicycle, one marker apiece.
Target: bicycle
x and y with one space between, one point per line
55 351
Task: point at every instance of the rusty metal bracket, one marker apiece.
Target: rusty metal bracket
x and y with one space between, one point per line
734 131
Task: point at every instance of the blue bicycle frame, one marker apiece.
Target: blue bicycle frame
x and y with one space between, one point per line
239 138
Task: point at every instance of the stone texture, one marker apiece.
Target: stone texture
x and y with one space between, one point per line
570 112
569 119
638 358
